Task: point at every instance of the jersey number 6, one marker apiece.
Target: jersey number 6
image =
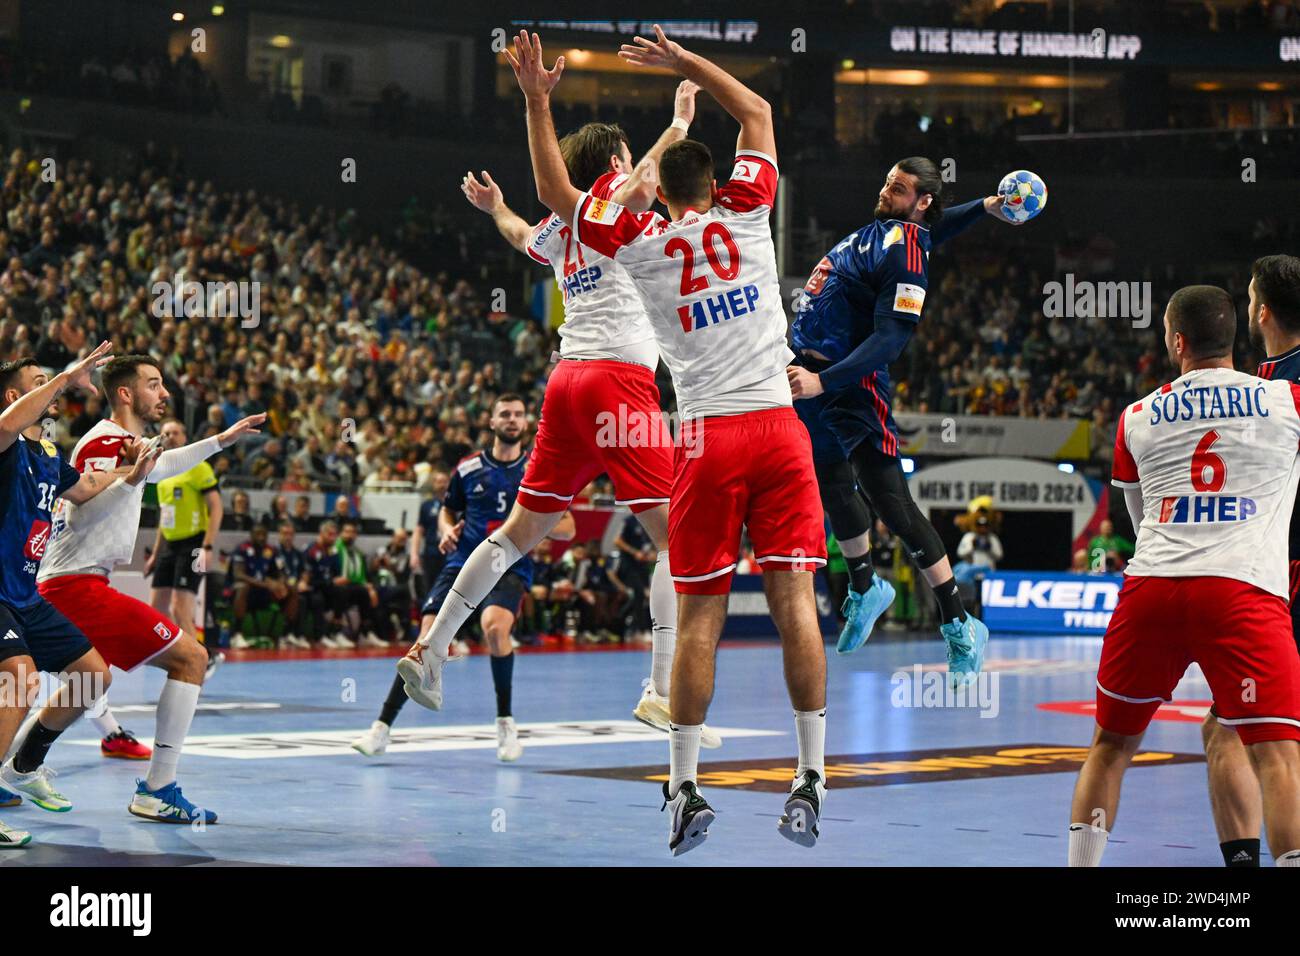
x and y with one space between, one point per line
1202 459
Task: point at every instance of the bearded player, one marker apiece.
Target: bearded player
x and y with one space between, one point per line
855 316
1209 468
708 278
88 541
1274 324
604 379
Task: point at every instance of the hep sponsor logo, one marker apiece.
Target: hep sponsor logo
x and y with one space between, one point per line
37 538
718 308
1206 509
583 280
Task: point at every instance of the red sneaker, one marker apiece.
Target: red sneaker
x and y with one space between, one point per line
124 746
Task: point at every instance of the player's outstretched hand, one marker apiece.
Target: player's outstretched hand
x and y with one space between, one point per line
803 383
684 101
660 51
996 206
534 79
245 426
79 375
485 195
146 457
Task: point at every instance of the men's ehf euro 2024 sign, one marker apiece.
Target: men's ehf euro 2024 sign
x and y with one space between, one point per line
947 41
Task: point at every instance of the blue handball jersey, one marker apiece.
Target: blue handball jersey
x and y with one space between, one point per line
482 492
880 270
1286 366
32 475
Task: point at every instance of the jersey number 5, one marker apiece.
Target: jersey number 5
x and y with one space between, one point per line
714 231
1203 459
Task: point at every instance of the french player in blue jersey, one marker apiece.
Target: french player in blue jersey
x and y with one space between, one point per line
854 317
34 636
1274 323
482 490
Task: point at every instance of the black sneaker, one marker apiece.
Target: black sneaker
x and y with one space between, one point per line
691 815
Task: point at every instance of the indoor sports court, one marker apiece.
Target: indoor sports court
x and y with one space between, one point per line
911 786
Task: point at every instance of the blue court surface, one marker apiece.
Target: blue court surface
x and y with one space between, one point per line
912 782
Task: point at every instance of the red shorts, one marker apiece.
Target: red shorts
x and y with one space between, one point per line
1238 633
126 632
752 470
599 417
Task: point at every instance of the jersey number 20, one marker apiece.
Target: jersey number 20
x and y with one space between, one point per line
714 231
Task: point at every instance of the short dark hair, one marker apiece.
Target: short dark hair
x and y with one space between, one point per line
509 397
352 522
122 370
1277 285
9 372
1207 319
928 180
686 171
586 152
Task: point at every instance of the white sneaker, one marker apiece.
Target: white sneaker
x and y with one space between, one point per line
508 747
652 710
459 649
215 660
330 641
239 642
36 785
372 639
421 672
343 642
803 809
374 741
11 838
301 642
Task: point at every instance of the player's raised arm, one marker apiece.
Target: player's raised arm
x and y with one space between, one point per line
552 176
486 197
751 111
638 192
26 410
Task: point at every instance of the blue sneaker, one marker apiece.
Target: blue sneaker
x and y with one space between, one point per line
166 805
8 798
966 641
861 611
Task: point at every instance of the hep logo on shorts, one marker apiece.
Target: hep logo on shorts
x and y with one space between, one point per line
37 539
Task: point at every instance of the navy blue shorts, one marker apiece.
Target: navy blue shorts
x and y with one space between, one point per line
839 422
43 634
507 592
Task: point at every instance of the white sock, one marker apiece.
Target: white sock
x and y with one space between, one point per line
1289 858
176 706
684 747
483 569
663 625
106 723
810 729
1087 844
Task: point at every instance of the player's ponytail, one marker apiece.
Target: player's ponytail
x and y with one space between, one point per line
928 180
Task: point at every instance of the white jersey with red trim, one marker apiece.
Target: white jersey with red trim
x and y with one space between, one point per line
113 540
604 317
709 281
1215 455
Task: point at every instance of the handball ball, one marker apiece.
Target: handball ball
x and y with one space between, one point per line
1024 195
